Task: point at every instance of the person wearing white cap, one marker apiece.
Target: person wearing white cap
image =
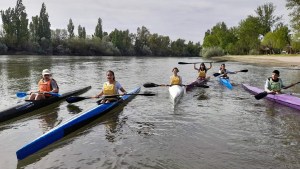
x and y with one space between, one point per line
46 84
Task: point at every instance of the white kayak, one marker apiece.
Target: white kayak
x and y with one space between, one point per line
176 92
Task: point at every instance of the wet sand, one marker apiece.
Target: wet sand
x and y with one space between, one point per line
265 60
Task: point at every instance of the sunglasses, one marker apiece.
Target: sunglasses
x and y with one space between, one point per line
46 75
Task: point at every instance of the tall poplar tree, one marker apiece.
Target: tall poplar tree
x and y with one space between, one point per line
98 30
44 30
71 29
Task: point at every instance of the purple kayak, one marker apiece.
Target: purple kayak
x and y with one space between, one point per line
285 99
196 83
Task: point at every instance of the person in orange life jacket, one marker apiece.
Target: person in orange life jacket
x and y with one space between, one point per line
46 84
223 71
202 71
110 87
175 79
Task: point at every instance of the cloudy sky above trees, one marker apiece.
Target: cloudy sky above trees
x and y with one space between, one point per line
185 19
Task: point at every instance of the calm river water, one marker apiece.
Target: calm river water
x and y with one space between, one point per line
209 128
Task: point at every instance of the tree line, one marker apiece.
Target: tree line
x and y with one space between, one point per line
262 33
20 36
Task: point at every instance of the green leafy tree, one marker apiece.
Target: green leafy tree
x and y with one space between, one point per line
178 47
266 17
71 29
15 25
248 33
33 29
123 41
141 41
294 6
98 30
219 36
81 32
44 30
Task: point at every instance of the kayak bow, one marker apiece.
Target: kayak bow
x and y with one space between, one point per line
71 125
31 105
284 99
225 82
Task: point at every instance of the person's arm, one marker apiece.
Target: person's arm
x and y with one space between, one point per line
180 80
119 87
54 85
100 94
195 67
282 85
209 66
230 72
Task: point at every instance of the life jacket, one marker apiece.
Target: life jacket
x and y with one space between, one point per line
175 80
275 86
109 89
45 86
201 74
223 72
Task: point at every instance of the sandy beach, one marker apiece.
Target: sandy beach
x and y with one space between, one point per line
266 60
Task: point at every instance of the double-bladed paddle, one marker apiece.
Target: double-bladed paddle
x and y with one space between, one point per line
148 85
218 74
23 94
185 63
264 94
74 99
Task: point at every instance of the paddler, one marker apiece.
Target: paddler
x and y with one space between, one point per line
202 70
111 87
223 71
175 79
274 83
46 84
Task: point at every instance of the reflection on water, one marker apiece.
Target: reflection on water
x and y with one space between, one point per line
206 128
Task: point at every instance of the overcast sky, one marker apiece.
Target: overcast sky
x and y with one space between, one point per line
185 19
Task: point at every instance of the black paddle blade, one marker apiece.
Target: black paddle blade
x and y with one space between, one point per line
204 86
261 95
217 74
244 70
184 63
150 85
74 99
147 94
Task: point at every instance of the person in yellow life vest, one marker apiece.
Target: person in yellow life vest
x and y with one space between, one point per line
202 70
274 84
111 87
175 79
46 84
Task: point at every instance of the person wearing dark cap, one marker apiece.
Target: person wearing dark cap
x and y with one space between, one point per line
274 84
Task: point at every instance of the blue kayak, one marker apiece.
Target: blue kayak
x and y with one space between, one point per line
225 82
71 125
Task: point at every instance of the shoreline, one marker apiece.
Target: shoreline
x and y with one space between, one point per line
265 60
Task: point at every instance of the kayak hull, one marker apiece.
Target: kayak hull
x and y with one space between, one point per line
225 82
30 106
197 83
176 92
71 125
284 99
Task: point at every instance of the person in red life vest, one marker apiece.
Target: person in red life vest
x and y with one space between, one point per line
111 87
46 85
